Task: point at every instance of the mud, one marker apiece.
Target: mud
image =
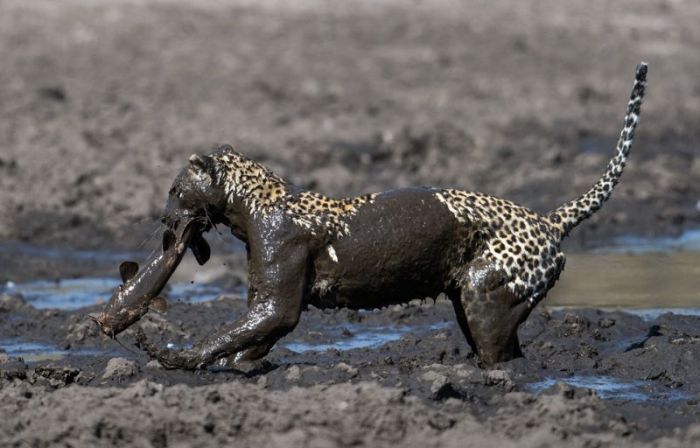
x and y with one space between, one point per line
104 104
590 378
101 105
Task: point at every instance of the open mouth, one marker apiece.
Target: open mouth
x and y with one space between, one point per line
192 236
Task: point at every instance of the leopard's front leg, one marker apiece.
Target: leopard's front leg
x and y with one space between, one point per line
248 357
273 313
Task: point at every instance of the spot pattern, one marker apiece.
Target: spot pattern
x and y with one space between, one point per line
524 244
572 213
320 213
262 191
260 188
520 242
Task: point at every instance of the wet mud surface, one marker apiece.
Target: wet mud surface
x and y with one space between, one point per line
399 375
101 105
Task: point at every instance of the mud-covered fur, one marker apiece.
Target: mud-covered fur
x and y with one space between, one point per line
493 258
263 191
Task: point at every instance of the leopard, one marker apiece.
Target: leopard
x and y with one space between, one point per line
493 259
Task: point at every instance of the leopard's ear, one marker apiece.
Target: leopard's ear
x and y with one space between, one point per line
199 162
202 165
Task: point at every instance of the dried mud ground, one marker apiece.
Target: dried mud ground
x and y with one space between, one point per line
101 104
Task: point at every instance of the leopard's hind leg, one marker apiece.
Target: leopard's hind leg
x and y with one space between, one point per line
489 313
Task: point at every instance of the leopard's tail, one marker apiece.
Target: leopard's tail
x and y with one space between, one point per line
569 215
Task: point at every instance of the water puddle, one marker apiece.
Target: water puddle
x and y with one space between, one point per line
71 294
646 314
634 272
349 336
649 314
196 292
610 388
629 280
352 336
66 294
688 241
19 249
40 351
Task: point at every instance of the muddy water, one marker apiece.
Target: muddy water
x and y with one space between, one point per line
33 352
637 273
71 294
611 388
352 336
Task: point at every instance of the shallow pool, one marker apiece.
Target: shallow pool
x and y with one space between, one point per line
70 294
34 351
610 388
352 336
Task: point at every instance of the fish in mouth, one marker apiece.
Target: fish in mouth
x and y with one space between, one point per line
141 287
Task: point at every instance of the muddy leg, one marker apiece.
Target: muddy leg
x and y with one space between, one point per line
273 313
246 358
493 314
455 298
264 324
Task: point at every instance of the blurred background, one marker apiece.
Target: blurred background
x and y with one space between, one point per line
101 103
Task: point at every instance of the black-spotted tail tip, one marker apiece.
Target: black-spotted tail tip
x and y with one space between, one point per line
642 69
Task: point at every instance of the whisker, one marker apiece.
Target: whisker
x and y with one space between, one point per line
150 237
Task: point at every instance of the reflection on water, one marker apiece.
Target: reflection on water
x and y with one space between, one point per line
688 240
66 294
361 336
609 388
71 294
639 280
39 351
649 314
192 292
629 280
19 249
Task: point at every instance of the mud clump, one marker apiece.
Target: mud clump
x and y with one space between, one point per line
12 368
120 369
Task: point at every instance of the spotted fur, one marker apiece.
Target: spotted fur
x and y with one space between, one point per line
320 213
524 244
572 213
520 242
262 191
